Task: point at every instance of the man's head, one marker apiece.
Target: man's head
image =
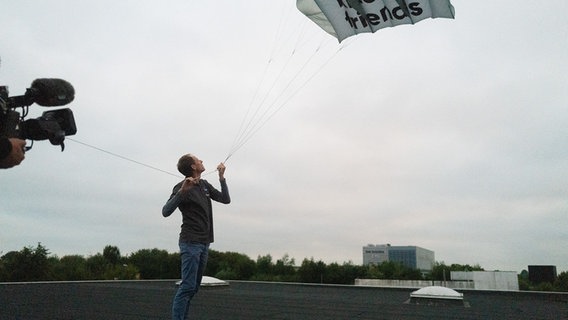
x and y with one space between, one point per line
189 165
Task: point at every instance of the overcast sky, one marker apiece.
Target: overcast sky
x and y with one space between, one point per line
451 135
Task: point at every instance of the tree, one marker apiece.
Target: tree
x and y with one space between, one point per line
213 262
29 264
350 272
156 264
441 271
264 265
96 265
264 269
524 283
111 254
334 273
71 268
35 264
231 266
284 269
113 266
561 283
392 270
311 271
121 272
8 266
373 272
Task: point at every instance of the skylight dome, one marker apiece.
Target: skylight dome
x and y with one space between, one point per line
437 292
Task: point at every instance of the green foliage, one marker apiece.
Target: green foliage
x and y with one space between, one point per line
111 255
441 271
524 283
29 264
311 271
35 264
156 264
120 272
284 270
230 266
264 267
392 270
561 283
226 274
71 268
96 265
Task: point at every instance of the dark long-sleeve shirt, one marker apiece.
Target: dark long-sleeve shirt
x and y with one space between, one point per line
196 209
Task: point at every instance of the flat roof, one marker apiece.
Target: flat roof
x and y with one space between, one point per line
132 300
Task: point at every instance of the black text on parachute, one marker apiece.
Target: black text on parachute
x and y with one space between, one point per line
346 18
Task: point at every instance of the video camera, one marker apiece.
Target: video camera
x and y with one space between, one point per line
52 125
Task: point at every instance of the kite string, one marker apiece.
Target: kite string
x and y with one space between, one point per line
259 125
131 160
123 157
252 119
263 117
244 138
261 81
268 109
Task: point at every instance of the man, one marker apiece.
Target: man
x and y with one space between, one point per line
11 152
193 197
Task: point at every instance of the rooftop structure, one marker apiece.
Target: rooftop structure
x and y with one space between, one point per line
437 292
539 274
436 295
487 280
474 280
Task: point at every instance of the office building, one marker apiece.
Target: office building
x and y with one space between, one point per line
410 256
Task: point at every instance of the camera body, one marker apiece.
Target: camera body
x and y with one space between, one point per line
52 125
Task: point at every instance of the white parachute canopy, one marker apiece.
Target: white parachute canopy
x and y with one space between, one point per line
346 18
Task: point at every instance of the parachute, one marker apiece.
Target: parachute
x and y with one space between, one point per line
346 18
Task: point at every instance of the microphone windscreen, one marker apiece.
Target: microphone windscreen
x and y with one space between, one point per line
53 92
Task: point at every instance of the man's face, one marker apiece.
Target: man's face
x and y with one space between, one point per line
197 164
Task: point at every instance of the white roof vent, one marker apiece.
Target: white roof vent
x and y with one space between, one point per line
209 282
438 296
436 292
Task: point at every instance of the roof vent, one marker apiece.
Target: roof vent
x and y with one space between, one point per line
436 295
209 282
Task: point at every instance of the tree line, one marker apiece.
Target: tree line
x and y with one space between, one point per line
36 264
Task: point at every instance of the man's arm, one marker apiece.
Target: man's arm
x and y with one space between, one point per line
172 204
223 196
177 194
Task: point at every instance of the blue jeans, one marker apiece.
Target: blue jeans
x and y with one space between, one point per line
193 262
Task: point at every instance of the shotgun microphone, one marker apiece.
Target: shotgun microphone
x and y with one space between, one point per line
51 92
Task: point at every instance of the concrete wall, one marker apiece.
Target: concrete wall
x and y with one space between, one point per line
479 280
414 283
489 280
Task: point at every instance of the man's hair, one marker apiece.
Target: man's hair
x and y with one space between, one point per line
184 165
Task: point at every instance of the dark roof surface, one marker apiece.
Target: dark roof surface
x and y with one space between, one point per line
261 300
